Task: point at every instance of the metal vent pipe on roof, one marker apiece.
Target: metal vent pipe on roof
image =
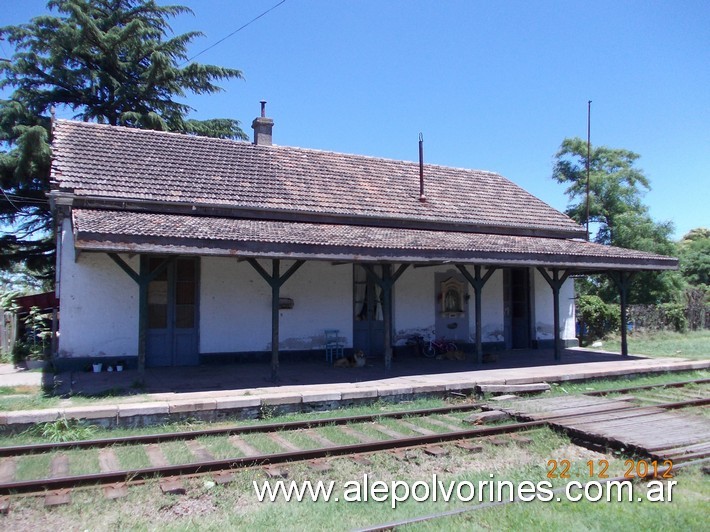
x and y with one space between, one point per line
422 197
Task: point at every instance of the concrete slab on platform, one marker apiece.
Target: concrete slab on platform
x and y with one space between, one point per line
237 401
320 396
91 412
191 405
26 417
358 393
275 399
143 409
386 390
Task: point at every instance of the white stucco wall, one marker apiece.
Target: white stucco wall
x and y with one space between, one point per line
98 303
493 318
544 308
415 304
235 306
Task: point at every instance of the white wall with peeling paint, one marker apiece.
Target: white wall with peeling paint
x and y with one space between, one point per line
493 311
98 303
415 304
235 306
544 308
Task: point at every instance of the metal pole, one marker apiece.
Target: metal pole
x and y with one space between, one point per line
422 197
589 150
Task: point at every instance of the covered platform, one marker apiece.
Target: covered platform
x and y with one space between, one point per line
249 377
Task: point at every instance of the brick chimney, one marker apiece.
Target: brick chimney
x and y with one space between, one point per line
262 127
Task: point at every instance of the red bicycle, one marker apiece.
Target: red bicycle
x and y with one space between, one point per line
438 346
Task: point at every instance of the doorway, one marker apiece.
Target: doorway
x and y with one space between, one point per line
368 316
517 308
172 334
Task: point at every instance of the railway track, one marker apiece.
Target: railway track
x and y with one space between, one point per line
407 429
676 384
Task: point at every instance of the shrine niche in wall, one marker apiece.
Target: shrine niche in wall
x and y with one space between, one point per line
453 296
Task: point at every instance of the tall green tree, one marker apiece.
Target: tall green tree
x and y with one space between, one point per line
110 61
617 214
616 186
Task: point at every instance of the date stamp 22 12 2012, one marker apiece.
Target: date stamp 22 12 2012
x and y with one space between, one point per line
599 469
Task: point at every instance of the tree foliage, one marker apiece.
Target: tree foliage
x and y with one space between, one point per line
617 211
111 61
599 318
694 253
616 186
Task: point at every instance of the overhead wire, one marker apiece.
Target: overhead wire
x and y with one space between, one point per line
23 199
4 52
9 200
13 199
234 32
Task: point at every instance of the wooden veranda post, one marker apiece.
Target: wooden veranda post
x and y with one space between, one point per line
143 280
477 282
386 282
622 280
276 281
555 283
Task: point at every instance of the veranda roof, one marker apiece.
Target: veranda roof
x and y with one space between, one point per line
121 231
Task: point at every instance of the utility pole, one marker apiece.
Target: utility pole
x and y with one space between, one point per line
589 149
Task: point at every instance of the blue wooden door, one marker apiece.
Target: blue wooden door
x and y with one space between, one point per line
172 335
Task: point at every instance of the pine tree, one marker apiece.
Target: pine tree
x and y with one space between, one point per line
110 61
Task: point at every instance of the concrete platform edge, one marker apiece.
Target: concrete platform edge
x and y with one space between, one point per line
214 406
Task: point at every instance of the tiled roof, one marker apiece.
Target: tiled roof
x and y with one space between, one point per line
131 164
145 232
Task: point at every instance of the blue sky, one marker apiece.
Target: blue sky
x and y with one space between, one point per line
491 85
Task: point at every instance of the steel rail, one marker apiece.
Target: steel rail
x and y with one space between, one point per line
676 384
31 486
662 406
38 448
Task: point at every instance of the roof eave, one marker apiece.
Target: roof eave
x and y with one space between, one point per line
85 241
291 215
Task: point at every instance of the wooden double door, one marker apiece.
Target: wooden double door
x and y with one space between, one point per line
172 334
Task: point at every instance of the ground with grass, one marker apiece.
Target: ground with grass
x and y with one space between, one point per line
234 506
207 506
693 345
